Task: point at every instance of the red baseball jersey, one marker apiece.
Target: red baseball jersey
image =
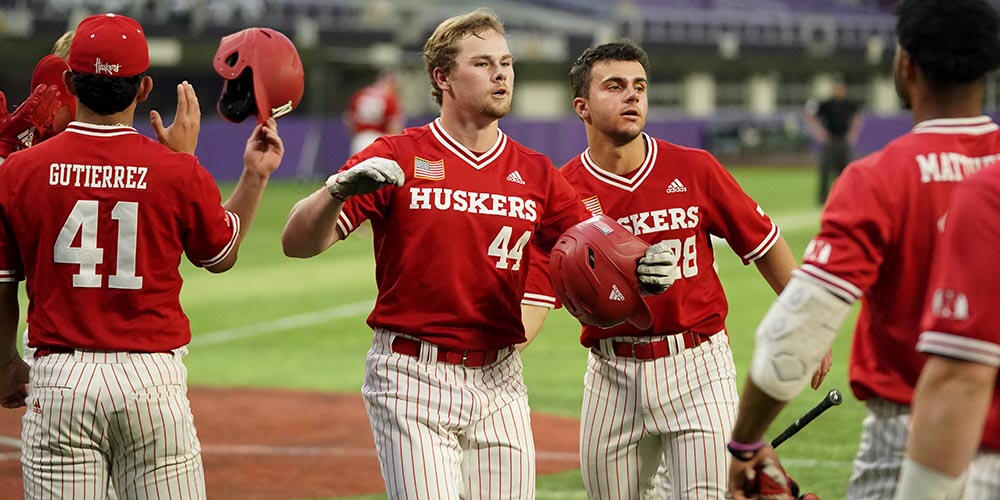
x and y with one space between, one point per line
877 237
373 108
451 253
96 219
683 196
960 317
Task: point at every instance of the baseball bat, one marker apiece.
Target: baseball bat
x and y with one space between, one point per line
833 398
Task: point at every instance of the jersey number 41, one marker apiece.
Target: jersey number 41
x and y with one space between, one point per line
83 220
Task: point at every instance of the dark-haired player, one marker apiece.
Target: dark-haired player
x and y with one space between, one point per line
664 394
875 244
108 392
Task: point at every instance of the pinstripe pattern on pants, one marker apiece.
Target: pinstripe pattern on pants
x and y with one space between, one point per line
448 431
679 409
881 452
92 415
983 477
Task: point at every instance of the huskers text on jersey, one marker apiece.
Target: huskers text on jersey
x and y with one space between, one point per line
97 176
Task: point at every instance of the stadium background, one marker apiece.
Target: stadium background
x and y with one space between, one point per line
283 341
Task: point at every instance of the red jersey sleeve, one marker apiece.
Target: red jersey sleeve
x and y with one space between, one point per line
737 218
11 268
563 209
360 208
538 290
855 229
211 230
960 319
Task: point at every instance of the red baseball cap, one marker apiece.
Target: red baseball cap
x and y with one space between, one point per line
49 71
110 45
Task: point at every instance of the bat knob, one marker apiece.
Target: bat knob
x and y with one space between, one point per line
834 397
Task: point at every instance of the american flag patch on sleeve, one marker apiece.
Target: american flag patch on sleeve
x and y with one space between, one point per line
426 169
593 205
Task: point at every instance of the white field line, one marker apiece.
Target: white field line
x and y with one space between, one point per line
788 222
793 221
11 442
360 451
282 324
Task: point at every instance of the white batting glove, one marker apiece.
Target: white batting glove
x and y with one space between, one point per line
657 268
365 177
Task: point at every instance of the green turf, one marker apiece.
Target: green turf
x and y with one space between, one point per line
328 354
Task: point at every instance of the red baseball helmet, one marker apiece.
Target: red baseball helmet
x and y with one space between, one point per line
592 268
263 73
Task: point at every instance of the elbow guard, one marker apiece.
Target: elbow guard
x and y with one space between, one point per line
794 336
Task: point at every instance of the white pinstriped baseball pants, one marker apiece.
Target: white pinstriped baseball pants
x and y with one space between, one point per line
679 409
883 447
93 415
983 478
445 431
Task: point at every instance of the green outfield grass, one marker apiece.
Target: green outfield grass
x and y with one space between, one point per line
322 344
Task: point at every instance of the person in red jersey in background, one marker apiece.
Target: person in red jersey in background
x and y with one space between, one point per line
453 206
44 113
956 404
875 244
374 111
100 263
661 394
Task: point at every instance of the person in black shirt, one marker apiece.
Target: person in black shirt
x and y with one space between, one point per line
835 123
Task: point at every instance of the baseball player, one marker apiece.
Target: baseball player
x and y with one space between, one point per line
952 400
374 111
666 393
875 244
453 206
107 391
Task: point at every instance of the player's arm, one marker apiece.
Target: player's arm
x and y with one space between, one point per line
312 224
776 265
13 370
261 157
857 121
950 404
533 318
956 386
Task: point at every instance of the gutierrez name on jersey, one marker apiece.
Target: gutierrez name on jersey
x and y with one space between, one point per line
951 167
473 202
97 176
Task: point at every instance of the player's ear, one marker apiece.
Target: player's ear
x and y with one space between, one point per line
67 79
145 87
582 108
441 79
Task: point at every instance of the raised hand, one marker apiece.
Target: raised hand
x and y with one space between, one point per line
37 111
264 149
365 177
13 383
182 135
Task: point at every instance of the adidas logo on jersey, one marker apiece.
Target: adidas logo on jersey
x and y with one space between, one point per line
616 294
515 177
676 187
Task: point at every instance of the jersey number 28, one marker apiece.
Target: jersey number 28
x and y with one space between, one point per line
83 220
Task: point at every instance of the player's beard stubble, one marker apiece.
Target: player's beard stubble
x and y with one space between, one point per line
496 110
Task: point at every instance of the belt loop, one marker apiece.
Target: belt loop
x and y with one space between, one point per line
606 347
428 352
